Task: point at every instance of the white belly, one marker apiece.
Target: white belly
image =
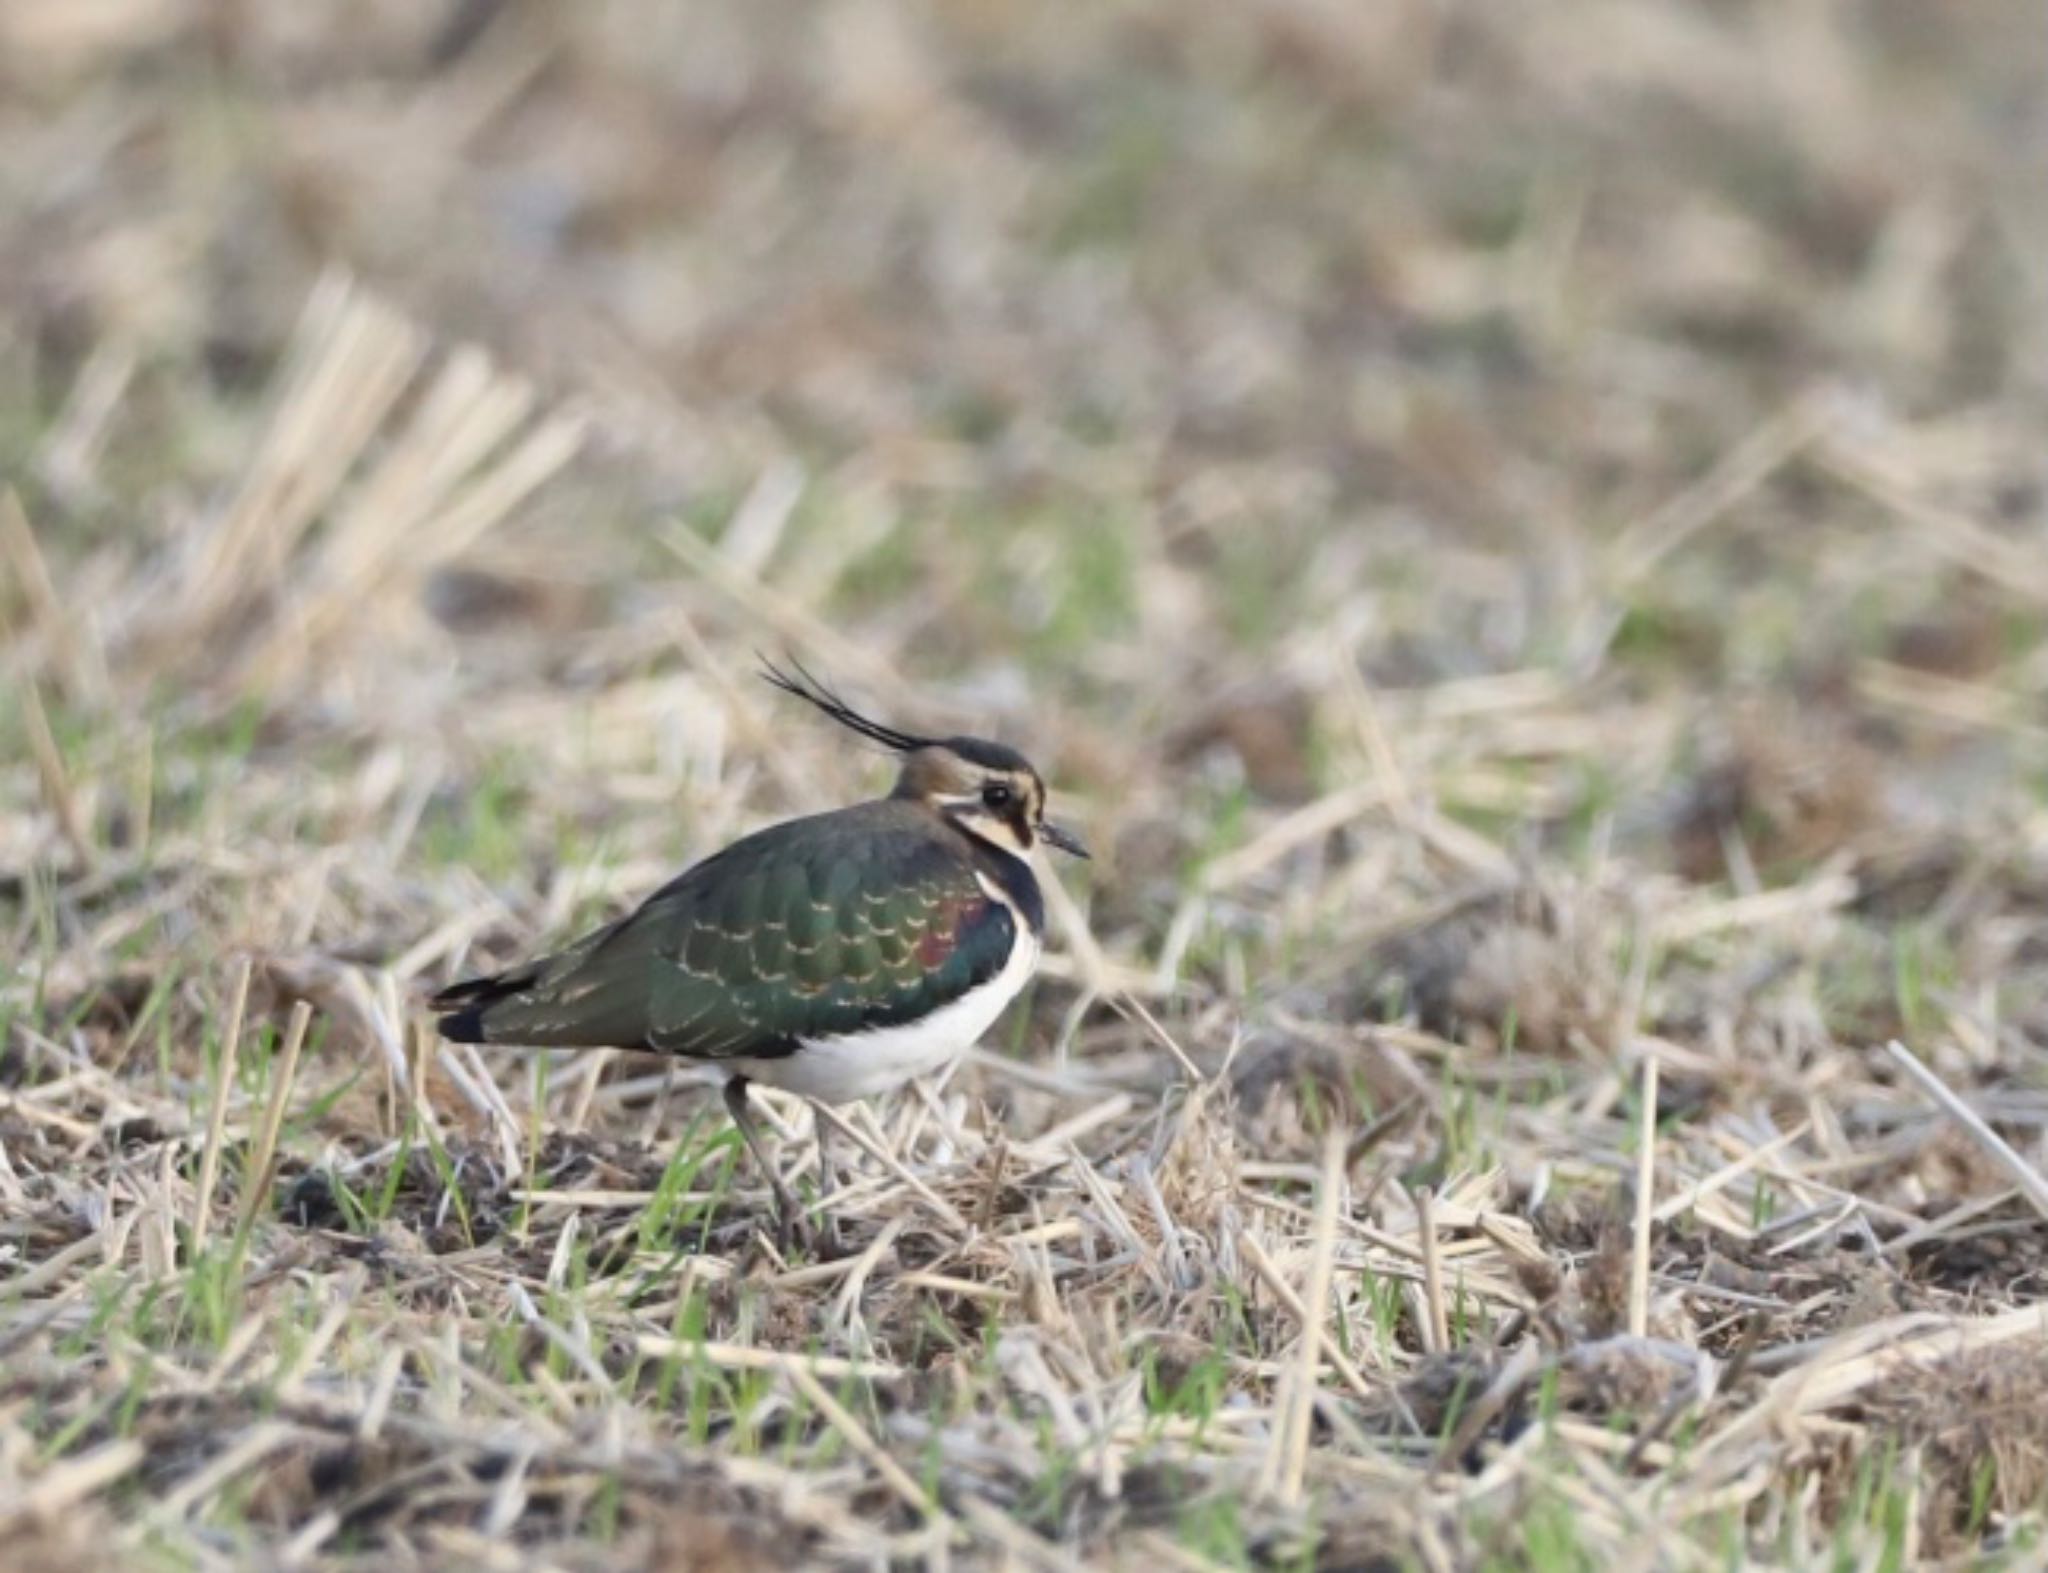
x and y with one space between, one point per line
839 1070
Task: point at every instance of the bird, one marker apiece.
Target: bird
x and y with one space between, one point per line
835 956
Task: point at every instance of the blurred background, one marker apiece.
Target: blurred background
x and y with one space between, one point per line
1367 454
1607 429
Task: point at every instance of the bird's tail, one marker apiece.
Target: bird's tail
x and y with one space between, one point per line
463 1007
568 1000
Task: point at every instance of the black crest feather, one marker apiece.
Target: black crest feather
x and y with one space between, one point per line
813 692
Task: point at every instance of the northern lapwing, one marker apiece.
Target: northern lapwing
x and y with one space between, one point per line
835 956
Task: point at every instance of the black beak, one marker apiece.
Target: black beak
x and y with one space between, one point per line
1065 840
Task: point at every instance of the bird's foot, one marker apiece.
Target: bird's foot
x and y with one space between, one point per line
796 1230
828 1246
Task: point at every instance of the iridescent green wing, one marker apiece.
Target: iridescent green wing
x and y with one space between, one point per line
831 926
863 918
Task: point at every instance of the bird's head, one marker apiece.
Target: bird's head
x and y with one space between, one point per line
987 789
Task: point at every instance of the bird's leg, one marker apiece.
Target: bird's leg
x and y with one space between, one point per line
828 1181
788 1215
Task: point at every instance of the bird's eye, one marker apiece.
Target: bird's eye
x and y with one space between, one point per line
997 796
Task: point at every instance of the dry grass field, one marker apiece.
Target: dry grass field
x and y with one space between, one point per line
1520 533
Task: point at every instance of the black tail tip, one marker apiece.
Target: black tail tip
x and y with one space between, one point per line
461 1006
463 1026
